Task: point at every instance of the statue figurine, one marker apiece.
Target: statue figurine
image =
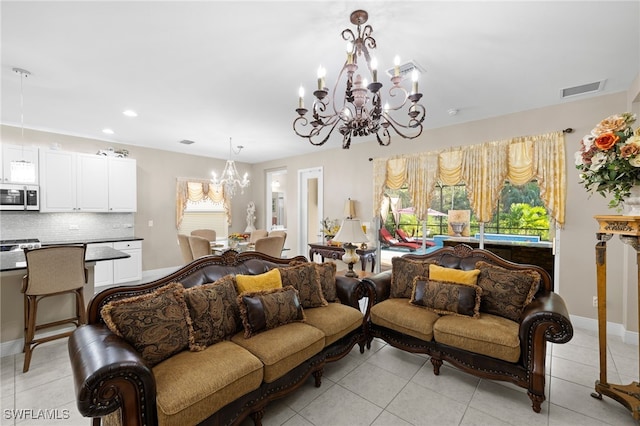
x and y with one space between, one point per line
251 217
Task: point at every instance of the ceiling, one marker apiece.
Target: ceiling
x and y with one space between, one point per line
210 70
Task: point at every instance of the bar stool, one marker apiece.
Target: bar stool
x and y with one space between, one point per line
52 271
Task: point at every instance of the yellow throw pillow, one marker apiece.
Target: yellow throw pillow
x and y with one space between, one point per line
439 273
266 281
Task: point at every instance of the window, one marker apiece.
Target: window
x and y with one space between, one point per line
205 214
519 211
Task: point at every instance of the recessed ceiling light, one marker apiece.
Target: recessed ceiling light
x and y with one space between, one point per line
130 113
108 131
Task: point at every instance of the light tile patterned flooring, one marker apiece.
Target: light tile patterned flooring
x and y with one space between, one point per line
383 386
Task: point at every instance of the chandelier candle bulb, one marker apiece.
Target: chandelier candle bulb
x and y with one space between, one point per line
374 69
396 66
414 78
349 53
301 97
321 74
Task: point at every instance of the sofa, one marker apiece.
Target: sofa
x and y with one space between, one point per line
482 314
199 346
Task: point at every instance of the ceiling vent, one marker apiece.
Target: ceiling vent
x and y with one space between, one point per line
406 69
582 89
186 142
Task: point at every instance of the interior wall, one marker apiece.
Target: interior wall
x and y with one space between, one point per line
348 174
156 174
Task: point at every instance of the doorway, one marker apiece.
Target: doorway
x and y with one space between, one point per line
310 208
276 201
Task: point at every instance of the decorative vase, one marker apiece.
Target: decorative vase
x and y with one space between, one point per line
632 202
233 243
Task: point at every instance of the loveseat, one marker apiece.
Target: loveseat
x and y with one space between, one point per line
483 314
132 365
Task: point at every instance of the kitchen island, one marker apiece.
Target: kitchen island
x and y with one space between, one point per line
12 269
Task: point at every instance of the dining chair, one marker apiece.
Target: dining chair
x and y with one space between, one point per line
185 248
209 234
271 246
52 271
276 233
257 234
199 246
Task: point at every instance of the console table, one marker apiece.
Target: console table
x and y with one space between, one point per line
628 229
335 252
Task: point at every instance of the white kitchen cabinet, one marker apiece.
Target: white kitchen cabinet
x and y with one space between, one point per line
92 183
12 153
130 269
119 271
75 182
123 192
103 271
57 181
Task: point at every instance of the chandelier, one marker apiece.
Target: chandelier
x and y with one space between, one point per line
230 178
361 112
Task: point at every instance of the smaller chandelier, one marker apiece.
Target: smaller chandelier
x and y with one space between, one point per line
361 112
230 178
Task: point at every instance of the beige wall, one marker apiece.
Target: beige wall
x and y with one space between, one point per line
348 173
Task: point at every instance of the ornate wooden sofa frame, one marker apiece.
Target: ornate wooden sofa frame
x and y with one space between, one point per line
111 378
544 319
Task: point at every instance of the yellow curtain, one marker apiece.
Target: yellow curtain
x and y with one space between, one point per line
421 179
379 178
483 168
188 189
483 172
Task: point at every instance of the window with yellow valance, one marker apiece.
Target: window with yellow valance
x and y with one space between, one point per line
188 189
483 168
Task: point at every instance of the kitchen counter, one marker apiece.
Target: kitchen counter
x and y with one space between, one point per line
15 260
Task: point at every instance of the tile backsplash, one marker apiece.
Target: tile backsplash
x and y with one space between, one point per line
58 227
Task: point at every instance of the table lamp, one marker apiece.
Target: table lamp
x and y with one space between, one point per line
350 232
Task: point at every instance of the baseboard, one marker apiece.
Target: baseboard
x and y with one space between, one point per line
613 329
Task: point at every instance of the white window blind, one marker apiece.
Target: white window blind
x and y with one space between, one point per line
205 215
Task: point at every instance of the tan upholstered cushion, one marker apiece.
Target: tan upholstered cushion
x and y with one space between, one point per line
304 278
335 320
193 385
402 316
440 273
506 292
284 348
266 281
446 298
214 311
267 309
488 334
403 271
157 324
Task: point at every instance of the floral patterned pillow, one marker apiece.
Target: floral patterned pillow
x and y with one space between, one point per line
304 278
403 271
447 298
267 309
506 292
214 311
157 324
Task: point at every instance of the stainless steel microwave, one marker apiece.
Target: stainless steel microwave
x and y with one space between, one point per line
19 197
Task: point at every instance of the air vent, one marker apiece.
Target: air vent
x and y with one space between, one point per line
186 142
582 89
406 69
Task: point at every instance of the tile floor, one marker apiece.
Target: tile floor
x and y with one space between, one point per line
383 386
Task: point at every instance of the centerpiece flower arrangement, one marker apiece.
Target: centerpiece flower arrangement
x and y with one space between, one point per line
330 227
609 158
238 237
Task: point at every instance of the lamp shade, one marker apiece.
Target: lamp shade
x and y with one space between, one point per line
349 209
350 232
